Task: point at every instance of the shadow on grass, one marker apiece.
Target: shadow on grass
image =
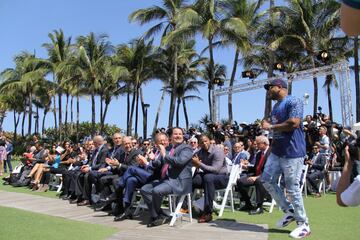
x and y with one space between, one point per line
233 225
275 230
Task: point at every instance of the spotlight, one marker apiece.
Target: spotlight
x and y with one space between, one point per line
323 56
218 81
248 74
279 66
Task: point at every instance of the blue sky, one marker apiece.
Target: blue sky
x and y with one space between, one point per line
25 24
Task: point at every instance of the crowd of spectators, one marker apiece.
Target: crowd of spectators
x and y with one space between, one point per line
106 173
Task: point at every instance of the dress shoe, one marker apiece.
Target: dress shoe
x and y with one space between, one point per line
125 215
84 203
317 195
66 197
74 201
258 210
205 218
102 207
246 208
160 220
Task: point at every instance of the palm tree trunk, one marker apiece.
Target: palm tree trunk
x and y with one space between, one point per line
177 111
77 116
268 105
23 124
101 113
137 111
143 112
315 89
92 114
43 121
211 68
357 77
30 114
66 109
107 103
174 84
16 122
209 99
128 111
131 113
54 112
328 90
159 109
71 114
231 84
37 121
185 114
60 116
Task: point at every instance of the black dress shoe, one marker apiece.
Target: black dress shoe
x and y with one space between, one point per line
67 197
123 216
259 210
73 201
103 207
158 221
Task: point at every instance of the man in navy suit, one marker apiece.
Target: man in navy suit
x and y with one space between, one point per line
175 176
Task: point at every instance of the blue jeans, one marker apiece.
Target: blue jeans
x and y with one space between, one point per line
292 170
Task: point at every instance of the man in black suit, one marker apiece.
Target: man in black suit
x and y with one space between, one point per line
91 171
175 176
253 178
116 154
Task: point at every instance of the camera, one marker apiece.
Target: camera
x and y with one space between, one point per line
354 147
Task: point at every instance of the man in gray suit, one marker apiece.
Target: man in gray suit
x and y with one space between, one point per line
175 176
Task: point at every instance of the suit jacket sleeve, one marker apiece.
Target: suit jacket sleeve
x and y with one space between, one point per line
182 156
319 165
100 163
217 162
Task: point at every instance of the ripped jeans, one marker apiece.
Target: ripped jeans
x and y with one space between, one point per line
291 168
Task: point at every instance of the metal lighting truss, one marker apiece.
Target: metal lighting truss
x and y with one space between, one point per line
340 69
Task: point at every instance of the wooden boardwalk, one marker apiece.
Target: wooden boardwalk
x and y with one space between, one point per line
135 229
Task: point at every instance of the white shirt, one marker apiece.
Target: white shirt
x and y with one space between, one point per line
351 196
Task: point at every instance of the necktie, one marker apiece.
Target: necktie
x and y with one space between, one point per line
165 167
260 165
95 157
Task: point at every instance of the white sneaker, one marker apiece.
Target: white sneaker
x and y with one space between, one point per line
285 220
302 231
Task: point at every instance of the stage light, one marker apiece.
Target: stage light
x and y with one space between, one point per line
279 66
323 56
248 74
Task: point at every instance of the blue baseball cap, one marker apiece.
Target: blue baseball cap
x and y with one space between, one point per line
276 82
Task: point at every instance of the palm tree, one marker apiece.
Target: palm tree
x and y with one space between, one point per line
203 16
306 23
240 23
167 14
137 58
93 52
26 77
59 50
218 72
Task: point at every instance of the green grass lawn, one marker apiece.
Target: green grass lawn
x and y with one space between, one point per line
19 224
327 221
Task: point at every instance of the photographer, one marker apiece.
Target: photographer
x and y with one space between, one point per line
349 194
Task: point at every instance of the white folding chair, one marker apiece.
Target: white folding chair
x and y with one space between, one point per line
234 174
303 185
175 211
